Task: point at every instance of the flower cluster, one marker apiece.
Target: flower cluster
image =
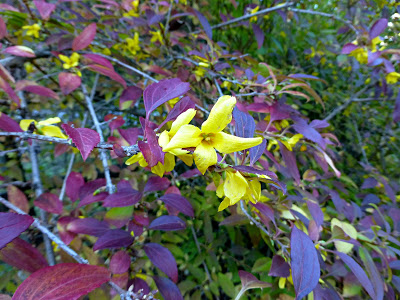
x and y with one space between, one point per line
45 127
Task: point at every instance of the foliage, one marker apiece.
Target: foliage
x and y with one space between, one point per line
255 157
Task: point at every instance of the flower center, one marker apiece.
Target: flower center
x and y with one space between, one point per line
208 137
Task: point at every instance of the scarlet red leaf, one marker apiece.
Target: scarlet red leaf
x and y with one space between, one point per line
163 259
68 82
85 38
12 225
67 281
50 203
23 256
85 139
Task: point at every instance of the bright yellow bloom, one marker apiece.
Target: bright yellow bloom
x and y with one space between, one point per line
253 11
70 62
134 12
133 44
44 127
32 30
392 77
210 137
156 36
374 43
360 54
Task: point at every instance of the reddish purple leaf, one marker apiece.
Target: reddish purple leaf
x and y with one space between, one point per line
68 82
183 105
124 197
129 97
50 203
67 281
316 212
373 272
117 121
90 187
3 29
358 272
85 139
140 284
85 38
65 235
10 92
167 288
252 170
377 28
259 34
45 9
23 256
93 198
158 93
305 264
120 262
18 198
162 258
204 22
8 124
88 226
178 202
97 59
279 267
113 238
290 161
108 72
249 281
74 182
396 111
309 132
256 152
20 51
12 225
348 48
265 209
41 91
244 123
130 134
168 223
157 184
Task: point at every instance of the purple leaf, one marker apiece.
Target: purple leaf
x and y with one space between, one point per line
108 72
20 51
178 202
373 273
113 238
152 151
65 235
85 38
305 264
139 284
395 264
396 111
93 198
85 139
68 82
249 281
4 85
377 28
45 9
8 124
41 91
244 124
279 267
358 272
158 93
265 210
252 170
259 34
130 134
204 22
348 48
289 158
3 29
88 226
99 60
257 151
23 256
50 203
124 197
12 225
167 288
168 223
157 184
316 212
162 258
74 182
129 97
369 183
309 132
120 262
183 105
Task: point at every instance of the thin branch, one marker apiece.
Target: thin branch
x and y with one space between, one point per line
360 144
168 19
20 149
199 250
372 99
16 183
313 12
218 87
129 150
103 154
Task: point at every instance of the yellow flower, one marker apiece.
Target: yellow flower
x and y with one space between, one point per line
253 11
133 44
44 127
134 12
392 77
32 30
374 43
210 137
70 62
156 36
360 54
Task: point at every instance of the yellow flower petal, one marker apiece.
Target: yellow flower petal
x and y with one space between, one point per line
187 136
220 191
204 156
158 169
24 124
224 204
50 121
63 58
169 162
226 143
53 131
163 139
136 158
220 115
187 159
183 119
235 186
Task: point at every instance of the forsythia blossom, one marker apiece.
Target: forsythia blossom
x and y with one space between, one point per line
392 77
70 62
32 30
210 137
45 127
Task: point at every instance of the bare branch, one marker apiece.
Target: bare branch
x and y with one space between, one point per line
16 183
